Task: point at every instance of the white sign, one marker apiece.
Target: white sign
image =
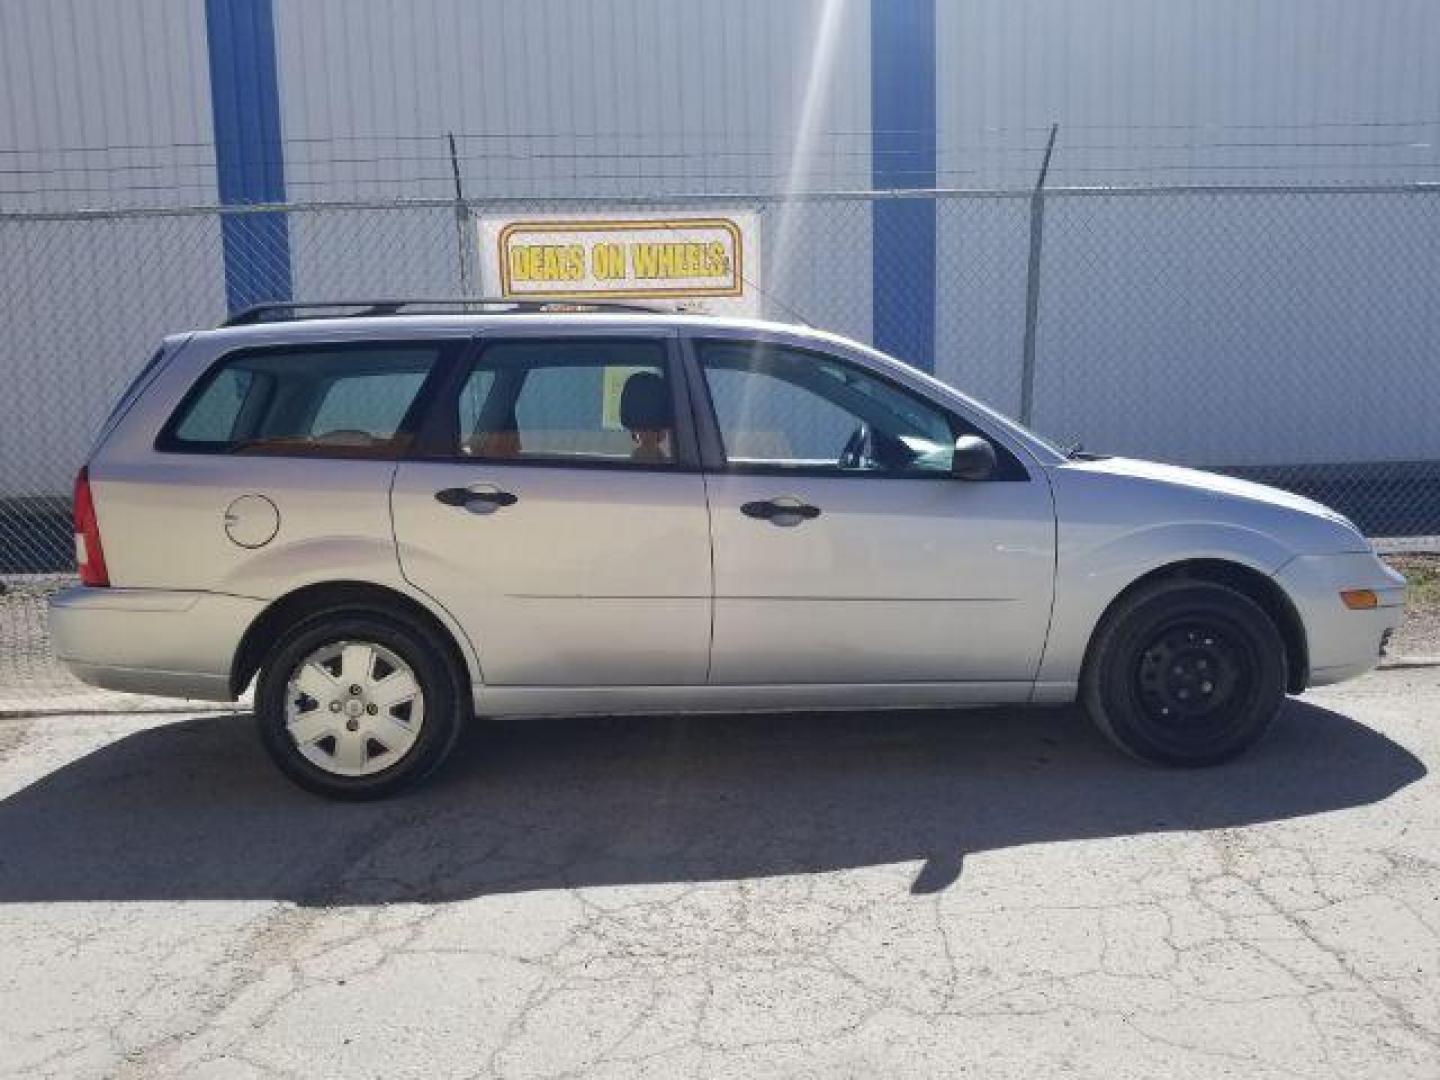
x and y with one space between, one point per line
697 263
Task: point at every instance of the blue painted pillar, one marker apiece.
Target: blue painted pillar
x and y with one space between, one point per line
902 118
249 159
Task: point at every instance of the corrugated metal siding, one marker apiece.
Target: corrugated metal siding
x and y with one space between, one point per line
1149 297
557 97
107 101
80 314
595 100
1188 91
104 103
1242 330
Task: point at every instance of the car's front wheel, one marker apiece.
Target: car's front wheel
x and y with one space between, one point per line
353 705
1185 672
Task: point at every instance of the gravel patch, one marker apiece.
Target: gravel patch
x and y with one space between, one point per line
1419 634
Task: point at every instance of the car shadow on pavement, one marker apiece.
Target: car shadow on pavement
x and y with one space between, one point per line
192 810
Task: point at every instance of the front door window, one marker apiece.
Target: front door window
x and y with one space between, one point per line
781 409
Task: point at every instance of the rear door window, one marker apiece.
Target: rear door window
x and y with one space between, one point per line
583 401
327 401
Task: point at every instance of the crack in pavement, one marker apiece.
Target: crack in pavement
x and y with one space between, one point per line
1292 945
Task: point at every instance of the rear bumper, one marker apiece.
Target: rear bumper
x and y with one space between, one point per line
1342 643
151 641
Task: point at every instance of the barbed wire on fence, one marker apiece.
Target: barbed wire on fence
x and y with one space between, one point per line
672 161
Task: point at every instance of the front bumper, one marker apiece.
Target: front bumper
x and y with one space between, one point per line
151 641
1342 643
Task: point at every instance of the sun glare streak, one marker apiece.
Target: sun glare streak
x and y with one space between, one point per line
805 145
807 130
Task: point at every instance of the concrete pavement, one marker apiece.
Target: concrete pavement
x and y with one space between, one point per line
890 895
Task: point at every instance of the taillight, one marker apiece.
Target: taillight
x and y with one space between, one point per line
89 555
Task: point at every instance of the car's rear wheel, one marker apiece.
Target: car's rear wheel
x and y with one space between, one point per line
1185 673
353 705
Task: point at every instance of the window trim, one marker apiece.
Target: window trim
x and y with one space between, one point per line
1012 468
439 429
401 445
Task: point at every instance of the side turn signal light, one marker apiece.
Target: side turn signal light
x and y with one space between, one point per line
1360 599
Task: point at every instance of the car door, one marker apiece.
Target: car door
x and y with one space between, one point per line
555 509
845 550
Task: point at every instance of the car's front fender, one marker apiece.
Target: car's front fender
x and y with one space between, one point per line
1093 566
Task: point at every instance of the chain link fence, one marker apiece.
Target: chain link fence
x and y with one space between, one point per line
1288 335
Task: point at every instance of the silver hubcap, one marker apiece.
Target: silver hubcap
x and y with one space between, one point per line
354 708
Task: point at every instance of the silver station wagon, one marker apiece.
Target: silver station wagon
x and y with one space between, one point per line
389 518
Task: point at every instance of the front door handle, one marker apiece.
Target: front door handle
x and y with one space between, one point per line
476 500
785 511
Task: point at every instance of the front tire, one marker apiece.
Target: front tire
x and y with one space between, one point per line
358 705
1185 673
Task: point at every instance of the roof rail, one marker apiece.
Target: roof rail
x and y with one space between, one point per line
286 310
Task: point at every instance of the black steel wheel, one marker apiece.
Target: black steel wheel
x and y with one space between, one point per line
1185 673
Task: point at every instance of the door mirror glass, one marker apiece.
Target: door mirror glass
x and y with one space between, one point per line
974 458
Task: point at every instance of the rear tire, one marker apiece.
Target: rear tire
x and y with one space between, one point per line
360 705
1185 673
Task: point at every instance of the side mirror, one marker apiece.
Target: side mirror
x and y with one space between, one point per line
974 458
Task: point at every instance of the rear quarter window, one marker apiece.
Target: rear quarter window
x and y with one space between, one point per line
324 401
213 415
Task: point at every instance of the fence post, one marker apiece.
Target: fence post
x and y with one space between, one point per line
1032 282
462 222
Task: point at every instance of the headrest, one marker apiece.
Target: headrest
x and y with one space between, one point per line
645 403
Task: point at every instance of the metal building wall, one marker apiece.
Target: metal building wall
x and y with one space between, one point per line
102 103
107 102
563 98
620 97
1188 91
614 98
1146 305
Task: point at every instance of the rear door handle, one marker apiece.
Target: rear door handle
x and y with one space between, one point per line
785 511
476 500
